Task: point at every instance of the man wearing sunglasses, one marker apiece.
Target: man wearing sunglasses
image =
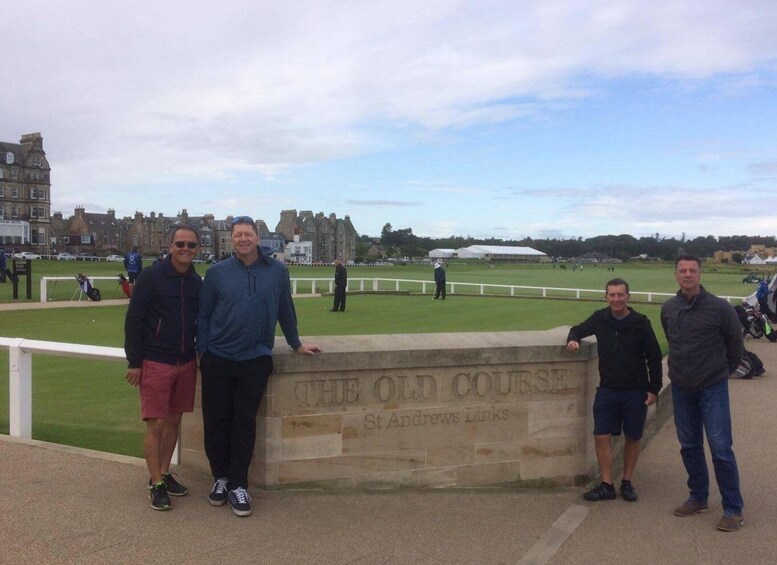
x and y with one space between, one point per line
159 344
243 298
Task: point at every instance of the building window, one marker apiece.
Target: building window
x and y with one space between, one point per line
14 174
41 212
14 214
86 239
2 212
2 191
36 160
15 192
33 212
41 193
206 239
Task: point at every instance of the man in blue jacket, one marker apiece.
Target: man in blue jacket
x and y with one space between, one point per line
630 375
133 262
242 300
159 344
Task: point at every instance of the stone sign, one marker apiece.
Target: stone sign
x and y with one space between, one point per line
431 410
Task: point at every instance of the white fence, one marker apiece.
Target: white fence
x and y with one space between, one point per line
20 352
316 285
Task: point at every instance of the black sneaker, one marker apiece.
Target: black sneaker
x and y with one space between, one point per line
602 491
174 488
240 501
158 497
627 491
218 494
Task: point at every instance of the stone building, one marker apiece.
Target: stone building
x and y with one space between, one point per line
331 237
25 195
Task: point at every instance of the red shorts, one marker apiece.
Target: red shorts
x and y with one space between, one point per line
167 389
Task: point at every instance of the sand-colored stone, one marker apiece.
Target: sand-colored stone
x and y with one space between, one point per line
424 410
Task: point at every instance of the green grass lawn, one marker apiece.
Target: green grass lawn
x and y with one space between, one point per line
89 404
643 277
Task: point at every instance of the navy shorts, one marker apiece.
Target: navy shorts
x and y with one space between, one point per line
616 410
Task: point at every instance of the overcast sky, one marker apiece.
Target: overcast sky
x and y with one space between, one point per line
483 118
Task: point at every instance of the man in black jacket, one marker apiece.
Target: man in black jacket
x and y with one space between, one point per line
630 374
159 344
439 280
341 282
705 346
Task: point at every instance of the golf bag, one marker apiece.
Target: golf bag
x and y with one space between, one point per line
754 323
126 288
86 287
749 366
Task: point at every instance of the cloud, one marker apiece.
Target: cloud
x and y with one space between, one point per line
383 203
134 101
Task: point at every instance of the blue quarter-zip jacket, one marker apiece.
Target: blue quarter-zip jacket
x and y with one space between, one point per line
240 306
159 325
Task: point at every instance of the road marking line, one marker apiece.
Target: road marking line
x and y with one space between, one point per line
546 547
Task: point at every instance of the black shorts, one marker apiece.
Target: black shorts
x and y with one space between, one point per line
132 276
616 410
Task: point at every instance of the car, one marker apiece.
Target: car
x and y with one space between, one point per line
752 278
115 259
66 257
26 255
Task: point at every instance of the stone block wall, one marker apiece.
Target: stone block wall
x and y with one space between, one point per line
431 410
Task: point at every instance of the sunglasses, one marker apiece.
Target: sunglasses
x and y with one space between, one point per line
182 244
242 220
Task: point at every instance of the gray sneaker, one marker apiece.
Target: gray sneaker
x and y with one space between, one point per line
730 523
690 507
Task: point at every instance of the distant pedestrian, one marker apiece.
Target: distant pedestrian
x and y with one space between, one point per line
439 280
341 282
3 265
762 295
630 374
705 347
133 262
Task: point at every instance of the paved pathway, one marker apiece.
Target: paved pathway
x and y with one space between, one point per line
65 505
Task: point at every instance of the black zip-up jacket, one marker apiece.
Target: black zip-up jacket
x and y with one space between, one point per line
161 317
705 340
629 354
341 276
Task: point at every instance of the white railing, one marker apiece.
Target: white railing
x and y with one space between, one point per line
20 352
375 284
44 285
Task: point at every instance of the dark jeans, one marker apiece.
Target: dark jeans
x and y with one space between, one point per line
440 289
339 299
231 394
708 411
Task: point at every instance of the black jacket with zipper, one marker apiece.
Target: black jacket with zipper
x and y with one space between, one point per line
160 321
629 354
